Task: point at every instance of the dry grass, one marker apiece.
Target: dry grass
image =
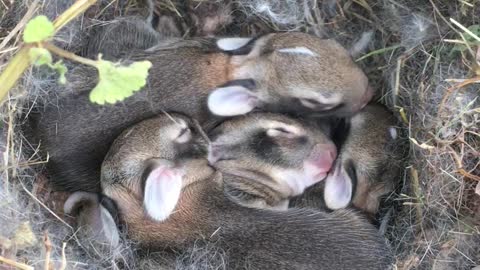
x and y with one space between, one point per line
434 221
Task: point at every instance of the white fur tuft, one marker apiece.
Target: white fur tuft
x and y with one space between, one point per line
298 50
361 45
393 132
231 44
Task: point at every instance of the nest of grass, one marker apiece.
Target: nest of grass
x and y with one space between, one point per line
425 69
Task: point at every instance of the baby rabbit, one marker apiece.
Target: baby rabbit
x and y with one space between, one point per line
368 164
367 167
268 158
204 78
168 197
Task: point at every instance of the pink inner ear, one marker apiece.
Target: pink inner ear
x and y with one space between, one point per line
338 189
231 101
162 192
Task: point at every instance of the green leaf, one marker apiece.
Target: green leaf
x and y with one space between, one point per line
470 40
40 56
118 82
61 70
474 29
38 29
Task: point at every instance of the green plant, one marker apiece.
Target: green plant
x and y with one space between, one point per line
116 82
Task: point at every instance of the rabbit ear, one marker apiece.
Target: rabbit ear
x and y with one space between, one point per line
162 191
236 46
338 189
94 217
232 100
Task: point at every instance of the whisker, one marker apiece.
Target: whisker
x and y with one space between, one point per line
171 117
201 131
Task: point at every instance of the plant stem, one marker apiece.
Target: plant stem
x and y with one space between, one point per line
66 54
18 265
379 51
14 70
72 12
20 62
48 250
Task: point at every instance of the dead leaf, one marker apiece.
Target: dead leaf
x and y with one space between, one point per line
24 236
423 145
5 244
403 114
476 64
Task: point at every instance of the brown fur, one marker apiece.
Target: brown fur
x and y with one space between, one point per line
252 238
375 154
376 157
255 164
289 76
77 133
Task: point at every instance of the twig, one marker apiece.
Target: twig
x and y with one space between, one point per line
4 5
44 206
459 164
15 264
451 26
443 17
453 88
416 192
48 250
455 41
24 164
201 131
379 51
28 15
105 8
469 175
6 158
396 88
456 158
20 62
72 12
9 49
63 266
15 68
470 33
466 3
66 54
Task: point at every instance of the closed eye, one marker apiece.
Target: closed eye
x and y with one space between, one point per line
319 106
311 100
283 130
280 132
313 103
184 136
183 131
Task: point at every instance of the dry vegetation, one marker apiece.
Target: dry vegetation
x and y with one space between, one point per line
417 60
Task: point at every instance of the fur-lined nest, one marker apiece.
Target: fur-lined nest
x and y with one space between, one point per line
416 58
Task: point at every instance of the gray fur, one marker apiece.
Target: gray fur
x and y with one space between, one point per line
375 155
76 133
255 165
250 238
